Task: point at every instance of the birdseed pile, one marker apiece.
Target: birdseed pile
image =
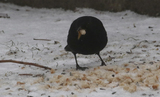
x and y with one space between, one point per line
130 77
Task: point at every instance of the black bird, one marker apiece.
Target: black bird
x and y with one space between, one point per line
87 35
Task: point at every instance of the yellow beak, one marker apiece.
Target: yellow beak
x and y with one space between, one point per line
80 33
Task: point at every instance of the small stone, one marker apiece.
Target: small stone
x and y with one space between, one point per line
102 89
129 52
151 63
63 73
113 93
19 89
144 50
72 93
7 88
150 27
56 42
43 94
71 74
151 95
157 45
144 94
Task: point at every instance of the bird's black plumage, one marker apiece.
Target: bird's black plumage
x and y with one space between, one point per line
87 35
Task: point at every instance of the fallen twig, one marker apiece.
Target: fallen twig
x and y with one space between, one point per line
25 63
26 74
37 75
42 39
3 15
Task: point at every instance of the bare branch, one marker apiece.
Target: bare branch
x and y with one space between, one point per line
42 39
25 63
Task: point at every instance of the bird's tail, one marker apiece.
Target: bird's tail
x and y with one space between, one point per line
67 48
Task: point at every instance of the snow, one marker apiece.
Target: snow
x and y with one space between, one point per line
133 39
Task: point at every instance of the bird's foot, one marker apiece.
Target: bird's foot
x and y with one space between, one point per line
103 64
81 68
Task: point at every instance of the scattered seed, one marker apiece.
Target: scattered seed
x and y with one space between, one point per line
20 83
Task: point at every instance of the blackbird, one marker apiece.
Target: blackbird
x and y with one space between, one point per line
86 35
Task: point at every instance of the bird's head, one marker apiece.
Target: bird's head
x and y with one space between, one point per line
81 31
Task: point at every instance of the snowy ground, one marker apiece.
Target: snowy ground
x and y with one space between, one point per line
132 50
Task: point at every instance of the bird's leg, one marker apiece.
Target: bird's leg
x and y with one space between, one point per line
77 66
102 64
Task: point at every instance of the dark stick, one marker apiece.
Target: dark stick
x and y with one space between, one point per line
42 39
25 63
